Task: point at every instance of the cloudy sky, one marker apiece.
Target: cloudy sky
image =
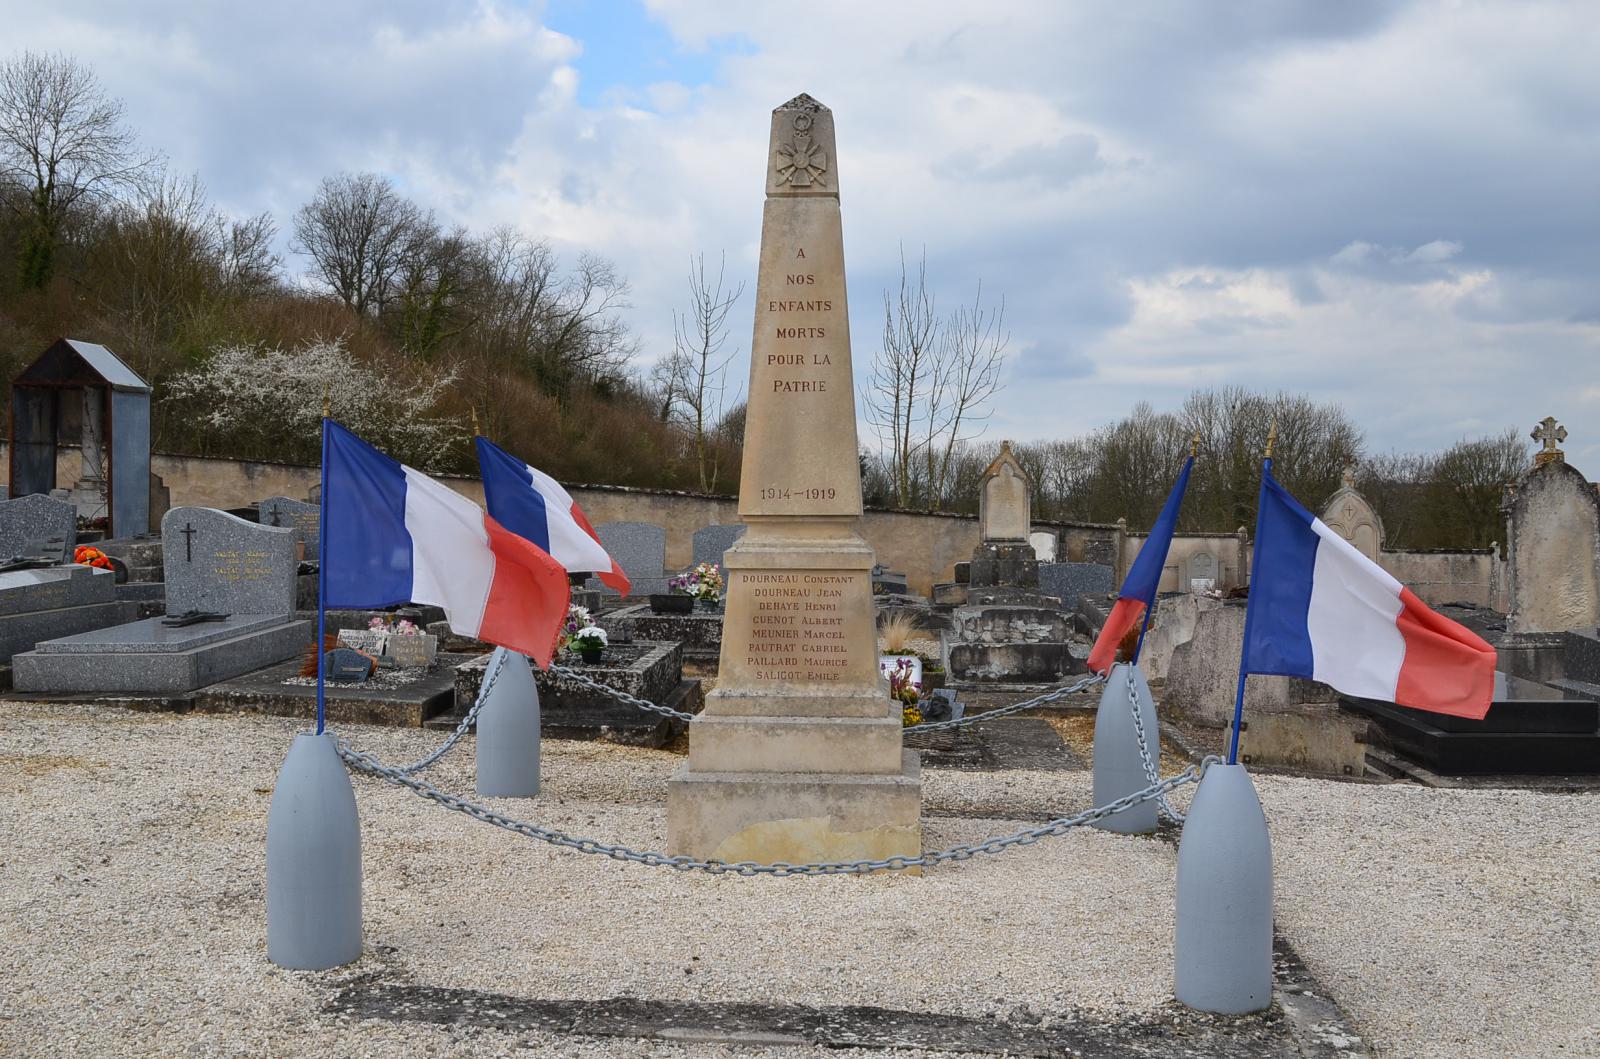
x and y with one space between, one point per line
1395 206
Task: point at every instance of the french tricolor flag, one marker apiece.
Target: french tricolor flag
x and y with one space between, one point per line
393 535
1138 592
533 505
1322 610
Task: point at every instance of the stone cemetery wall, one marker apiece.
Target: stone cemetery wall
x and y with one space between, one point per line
925 546
1230 550
1475 577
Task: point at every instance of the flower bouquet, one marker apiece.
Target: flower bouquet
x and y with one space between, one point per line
907 691
578 619
703 583
89 556
590 643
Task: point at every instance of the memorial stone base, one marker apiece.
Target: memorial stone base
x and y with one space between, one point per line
798 756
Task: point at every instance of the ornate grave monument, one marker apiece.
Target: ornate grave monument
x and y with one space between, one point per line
82 390
1552 559
797 756
1006 631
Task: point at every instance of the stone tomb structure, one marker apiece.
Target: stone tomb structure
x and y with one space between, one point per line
1553 559
215 563
56 601
797 756
82 391
30 521
1006 631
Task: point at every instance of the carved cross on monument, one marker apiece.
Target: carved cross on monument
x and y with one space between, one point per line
1550 434
188 532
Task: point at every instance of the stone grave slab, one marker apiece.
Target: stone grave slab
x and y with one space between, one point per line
699 632
1069 581
28 519
1044 545
57 601
1531 729
651 671
640 548
710 543
147 656
305 520
407 698
215 563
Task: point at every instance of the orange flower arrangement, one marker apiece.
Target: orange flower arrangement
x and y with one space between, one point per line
87 556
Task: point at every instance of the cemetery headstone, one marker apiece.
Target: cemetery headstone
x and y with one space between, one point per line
1201 572
218 563
1004 504
1351 516
798 753
1044 545
42 604
36 519
710 543
297 515
640 548
1554 544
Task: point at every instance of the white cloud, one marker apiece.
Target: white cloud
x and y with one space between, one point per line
1386 205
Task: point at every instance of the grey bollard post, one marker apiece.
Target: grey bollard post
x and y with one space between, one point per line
508 731
313 860
1224 936
1118 769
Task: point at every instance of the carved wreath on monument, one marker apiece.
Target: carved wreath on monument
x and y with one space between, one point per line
800 161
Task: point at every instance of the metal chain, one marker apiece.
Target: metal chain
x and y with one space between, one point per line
1060 825
1151 771
492 675
1016 707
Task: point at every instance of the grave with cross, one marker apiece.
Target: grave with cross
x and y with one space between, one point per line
241 576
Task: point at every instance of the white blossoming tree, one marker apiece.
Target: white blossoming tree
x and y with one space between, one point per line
270 400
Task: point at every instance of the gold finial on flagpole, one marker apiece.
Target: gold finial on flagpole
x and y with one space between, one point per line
1272 438
1194 445
327 400
475 431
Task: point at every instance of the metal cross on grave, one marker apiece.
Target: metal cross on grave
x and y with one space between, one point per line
188 532
1550 434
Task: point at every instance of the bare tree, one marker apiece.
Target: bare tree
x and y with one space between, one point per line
965 379
895 392
62 144
693 378
358 232
169 258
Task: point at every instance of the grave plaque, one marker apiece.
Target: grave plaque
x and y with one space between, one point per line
297 515
411 652
346 665
798 753
223 564
1202 572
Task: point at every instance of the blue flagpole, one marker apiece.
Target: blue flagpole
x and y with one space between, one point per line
1250 610
1150 608
322 574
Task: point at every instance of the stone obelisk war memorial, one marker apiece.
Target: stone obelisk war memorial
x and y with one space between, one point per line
797 756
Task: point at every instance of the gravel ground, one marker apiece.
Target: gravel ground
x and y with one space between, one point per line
132 919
